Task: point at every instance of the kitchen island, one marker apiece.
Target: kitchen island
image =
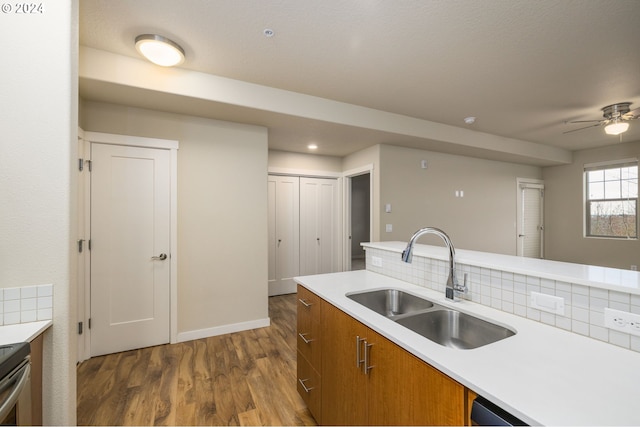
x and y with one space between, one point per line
543 375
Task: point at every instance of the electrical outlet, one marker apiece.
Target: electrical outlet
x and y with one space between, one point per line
622 321
388 228
548 303
376 261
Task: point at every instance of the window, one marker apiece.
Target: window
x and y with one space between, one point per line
612 200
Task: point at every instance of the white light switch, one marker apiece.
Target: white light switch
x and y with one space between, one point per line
387 208
548 303
389 228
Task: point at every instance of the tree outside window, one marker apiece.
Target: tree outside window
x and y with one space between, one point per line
612 201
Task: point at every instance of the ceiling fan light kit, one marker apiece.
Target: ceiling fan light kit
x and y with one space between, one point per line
616 128
616 118
160 50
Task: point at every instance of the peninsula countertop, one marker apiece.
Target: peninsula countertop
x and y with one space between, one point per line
543 375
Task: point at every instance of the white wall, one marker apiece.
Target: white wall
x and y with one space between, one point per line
39 132
222 212
564 213
484 219
302 161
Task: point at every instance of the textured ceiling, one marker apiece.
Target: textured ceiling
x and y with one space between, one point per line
521 67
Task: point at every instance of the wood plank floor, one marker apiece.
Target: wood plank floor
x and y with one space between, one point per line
245 378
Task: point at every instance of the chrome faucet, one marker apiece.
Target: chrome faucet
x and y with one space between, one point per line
452 286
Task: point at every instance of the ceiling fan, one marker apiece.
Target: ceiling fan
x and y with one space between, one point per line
616 118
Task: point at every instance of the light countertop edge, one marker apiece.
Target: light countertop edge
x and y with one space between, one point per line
615 279
22 332
543 375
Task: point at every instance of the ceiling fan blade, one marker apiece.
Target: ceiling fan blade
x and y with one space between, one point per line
632 115
586 127
584 121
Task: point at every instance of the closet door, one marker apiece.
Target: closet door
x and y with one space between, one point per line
284 225
318 225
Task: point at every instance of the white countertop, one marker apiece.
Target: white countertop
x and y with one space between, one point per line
589 275
22 332
543 375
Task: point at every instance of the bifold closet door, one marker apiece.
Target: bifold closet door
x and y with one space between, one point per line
284 237
318 225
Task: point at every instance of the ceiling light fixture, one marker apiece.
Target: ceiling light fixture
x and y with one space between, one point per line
160 50
312 146
616 128
470 120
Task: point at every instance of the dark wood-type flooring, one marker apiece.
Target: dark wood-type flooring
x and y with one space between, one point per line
245 378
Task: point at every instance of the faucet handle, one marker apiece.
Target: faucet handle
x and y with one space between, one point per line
463 289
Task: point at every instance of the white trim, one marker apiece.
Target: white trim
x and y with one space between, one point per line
359 171
303 172
133 141
222 330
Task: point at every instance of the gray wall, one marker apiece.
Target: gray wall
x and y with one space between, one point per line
484 219
564 213
222 211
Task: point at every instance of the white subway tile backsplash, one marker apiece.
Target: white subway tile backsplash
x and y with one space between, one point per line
26 304
510 292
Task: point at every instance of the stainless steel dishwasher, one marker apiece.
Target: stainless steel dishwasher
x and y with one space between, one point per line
15 384
485 413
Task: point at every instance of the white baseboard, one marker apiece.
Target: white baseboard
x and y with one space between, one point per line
222 330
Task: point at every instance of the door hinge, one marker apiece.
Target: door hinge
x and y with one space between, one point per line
89 323
89 244
80 328
89 165
80 245
80 164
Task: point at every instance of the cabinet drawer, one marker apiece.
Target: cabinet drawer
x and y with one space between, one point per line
309 387
309 326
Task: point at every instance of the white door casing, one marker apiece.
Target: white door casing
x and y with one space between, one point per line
530 221
133 218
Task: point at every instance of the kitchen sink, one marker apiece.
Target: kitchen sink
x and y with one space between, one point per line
455 329
440 324
391 302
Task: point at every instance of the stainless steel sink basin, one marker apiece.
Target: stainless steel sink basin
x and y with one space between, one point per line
455 329
440 324
391 302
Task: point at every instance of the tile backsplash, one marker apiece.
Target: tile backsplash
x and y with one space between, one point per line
511 292
26 304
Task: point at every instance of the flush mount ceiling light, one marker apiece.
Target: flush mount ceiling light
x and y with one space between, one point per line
616 128
160 50
312 146
470 120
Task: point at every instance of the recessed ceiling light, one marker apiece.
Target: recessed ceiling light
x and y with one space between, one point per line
470 120
268 32
312 146
160 50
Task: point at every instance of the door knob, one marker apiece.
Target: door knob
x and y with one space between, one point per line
161 257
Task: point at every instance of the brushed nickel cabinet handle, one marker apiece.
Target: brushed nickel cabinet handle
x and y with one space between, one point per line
306 389
305 303
304 338
358 360
367 355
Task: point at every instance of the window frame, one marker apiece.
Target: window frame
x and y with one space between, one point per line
603 166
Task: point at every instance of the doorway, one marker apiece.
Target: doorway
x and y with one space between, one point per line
131 244
358 218
530 218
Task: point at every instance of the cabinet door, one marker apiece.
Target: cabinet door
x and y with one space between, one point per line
319 214
403 390
344 393
284 239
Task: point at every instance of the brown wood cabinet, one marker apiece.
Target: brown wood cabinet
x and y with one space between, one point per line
368 380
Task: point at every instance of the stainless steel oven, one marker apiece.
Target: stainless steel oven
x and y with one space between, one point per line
15 384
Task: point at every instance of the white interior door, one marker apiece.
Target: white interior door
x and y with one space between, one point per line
130 247
284 224
319 217
531 220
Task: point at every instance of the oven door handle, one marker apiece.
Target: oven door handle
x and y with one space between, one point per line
19 378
